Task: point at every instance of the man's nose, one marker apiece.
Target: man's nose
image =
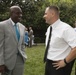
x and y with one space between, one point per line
20 15
44 16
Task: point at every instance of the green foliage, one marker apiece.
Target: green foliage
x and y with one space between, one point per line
4 7
59 1
39 39
33 11
67 13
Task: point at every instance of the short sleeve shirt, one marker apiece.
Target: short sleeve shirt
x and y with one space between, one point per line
63 39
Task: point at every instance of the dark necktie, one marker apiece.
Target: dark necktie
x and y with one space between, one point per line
47 47
17 32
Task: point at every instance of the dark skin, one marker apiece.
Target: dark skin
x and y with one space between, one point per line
2 68
15 15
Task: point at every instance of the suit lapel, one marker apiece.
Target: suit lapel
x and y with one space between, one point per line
21 30
11 27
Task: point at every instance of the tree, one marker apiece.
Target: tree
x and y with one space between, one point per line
33 11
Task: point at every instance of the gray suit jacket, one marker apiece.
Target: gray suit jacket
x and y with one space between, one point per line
9 45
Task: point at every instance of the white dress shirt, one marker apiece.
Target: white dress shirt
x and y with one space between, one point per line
15 24
75 29
63 39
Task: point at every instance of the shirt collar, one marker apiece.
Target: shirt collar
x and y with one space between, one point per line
54 25
12 22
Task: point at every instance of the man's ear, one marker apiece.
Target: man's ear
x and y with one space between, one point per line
53 13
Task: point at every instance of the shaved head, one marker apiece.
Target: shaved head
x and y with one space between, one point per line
55 9
13 8
51 14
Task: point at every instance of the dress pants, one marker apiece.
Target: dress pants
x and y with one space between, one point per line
50 70
18 69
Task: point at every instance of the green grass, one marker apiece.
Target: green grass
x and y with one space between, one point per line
34 64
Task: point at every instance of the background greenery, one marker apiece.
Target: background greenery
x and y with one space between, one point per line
33 11
34 64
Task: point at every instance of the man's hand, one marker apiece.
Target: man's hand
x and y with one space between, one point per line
59 64
2 68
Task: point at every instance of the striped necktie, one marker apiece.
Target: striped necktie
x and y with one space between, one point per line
17 32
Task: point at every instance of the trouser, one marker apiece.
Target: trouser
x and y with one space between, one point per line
50 70
30 42
18 69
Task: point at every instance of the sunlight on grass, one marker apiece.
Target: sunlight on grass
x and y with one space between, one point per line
34 64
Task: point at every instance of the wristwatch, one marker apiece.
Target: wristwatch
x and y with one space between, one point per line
65 61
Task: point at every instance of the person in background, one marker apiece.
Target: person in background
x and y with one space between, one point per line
30 36
12 47
26 37
62 46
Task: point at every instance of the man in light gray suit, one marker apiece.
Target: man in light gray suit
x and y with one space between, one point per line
12 54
